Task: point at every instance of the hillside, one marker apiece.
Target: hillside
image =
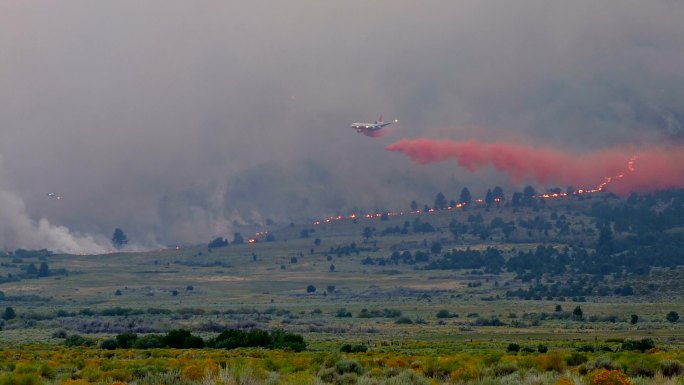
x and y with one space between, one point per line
493 272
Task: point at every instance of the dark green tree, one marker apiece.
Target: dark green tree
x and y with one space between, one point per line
672 316
489 198
529 192
43 270
109 344
368 232
126 340
9 313
119 239
516 200
634 319
604 245
414 205
440 201
238 239
498 193
176 338
465 196
31 269
578 314
218 242
436 247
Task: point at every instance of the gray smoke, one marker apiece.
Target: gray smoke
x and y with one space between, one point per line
181 121
18 229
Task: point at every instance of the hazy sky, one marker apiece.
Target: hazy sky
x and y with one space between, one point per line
177 120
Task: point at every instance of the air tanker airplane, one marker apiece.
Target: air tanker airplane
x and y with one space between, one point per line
370 127
53 195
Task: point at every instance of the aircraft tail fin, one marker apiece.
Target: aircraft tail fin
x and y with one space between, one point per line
380 119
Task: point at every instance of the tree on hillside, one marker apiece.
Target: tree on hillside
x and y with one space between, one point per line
414 205
498 193
368 232
218 242
489 198
529 191
516 199
604 245
465 196
672 316
43 270
238 239
9 314
578 314
436 247
440 201
119 239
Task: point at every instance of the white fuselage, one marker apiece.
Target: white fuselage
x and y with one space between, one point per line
361 127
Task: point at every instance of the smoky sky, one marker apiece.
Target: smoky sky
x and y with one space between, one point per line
180 121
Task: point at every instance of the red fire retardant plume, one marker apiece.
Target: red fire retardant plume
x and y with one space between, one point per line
655 168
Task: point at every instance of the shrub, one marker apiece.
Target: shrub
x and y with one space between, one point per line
77 340
671 368
565 381
443 314
609 377
9 313
542 348
277 339
602 363
672 316
513 348
109 344
407 377
21 379
193 342
403 321
642 369
348 348
284 340
150 341
640 345
59 334
176 338
552 362
348 366
328 375
500 370
576 358
126 340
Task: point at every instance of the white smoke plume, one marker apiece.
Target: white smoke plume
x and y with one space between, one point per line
18 230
